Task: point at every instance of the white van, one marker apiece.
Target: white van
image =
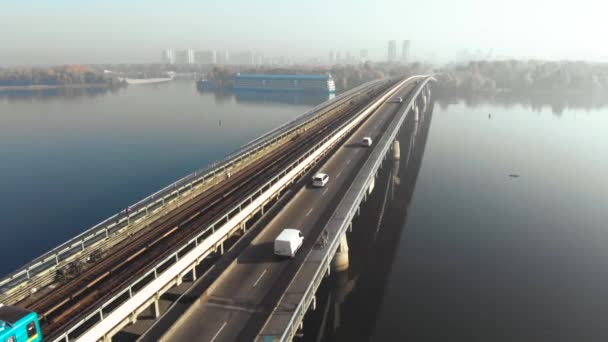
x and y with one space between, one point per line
367 141
288 242
319 180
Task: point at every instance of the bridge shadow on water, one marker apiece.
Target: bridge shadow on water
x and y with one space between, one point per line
348 302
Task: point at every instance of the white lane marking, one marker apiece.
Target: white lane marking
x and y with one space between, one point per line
348 162
338 175
323 194
218 332
260 278
309 211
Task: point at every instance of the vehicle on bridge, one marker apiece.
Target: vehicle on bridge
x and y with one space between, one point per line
396 100
17 324
319 180
367 141
288 242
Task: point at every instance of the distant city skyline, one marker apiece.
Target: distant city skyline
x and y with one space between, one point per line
112 31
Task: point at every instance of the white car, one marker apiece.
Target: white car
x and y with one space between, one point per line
397 100
319 180
288 242
367 141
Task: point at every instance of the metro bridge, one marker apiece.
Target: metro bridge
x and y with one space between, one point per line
102 282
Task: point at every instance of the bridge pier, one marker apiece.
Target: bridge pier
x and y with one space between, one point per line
340 261
156 308
396 150
416 111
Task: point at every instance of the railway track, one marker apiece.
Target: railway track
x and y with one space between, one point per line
135 255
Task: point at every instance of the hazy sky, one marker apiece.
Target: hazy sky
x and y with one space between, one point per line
113 31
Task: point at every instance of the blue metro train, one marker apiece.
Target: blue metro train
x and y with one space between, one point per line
18 325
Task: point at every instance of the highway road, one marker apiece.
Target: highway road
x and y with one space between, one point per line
238 302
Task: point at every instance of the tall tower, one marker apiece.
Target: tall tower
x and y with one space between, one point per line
363 55
168 56
392 50
405 51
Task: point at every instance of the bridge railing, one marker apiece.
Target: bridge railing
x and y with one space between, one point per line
347 210
50 260
201 240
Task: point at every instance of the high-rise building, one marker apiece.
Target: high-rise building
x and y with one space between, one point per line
338 57
331 58
184 57
348 58
392 50
168 56
258 59
223 57
242 58
405 51
364 55
205 57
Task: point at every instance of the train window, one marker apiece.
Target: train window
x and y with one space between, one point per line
31 329
11 339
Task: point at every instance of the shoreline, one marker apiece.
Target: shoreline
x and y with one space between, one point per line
36 87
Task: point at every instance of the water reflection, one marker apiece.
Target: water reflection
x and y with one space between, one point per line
279 97
253 97
34 95
557 102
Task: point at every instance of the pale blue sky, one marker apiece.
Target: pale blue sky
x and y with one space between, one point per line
70 31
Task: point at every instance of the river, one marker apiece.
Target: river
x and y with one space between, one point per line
71 158
504 238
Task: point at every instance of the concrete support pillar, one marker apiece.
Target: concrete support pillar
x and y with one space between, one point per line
107 339
133 318
194 274
396 150
340 261
372 184
416 112
156 308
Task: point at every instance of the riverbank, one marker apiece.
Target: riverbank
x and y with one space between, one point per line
37 87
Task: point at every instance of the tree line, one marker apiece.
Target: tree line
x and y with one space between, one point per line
523 77
55 76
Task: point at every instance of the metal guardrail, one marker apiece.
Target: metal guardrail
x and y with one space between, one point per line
363 180
159 199
130 291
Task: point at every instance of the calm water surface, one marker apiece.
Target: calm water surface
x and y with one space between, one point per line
69 160
483 256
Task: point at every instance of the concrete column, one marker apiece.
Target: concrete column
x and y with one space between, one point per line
194 274
156 309
340 261
396 150
372 184
416 111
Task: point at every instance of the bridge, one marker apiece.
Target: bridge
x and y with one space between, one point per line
214 230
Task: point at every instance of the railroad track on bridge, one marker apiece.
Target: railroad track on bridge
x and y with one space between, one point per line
132 257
